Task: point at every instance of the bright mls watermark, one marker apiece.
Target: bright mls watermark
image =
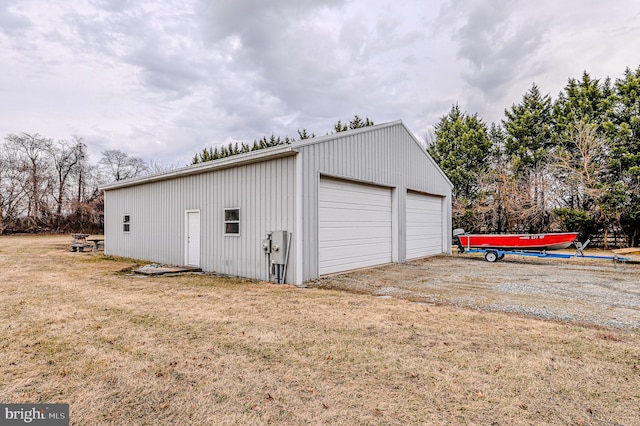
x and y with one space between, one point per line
34 414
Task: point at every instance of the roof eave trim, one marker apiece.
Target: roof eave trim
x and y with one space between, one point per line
225 163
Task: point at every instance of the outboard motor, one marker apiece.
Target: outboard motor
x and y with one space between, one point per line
456 232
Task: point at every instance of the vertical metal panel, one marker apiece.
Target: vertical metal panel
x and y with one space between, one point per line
299 222
262 191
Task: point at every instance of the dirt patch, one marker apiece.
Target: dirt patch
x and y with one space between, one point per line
579 290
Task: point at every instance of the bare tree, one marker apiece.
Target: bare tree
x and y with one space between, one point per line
67 158
118 165
49 185
499 203
12 195
32 156
580 165
581 168
157 167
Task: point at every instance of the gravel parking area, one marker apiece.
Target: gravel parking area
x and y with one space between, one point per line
573 290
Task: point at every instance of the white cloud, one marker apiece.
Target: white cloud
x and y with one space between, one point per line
11 22
164 79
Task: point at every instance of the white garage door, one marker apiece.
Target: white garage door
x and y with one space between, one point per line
354 226
424 225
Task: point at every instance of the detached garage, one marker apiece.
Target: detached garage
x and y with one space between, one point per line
290 213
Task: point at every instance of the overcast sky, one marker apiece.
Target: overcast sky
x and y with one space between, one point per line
163 79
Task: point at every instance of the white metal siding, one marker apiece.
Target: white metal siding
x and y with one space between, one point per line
355 226
264 193
424 225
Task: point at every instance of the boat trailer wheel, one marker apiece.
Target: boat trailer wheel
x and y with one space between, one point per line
491 256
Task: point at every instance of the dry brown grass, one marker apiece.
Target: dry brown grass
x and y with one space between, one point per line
199 349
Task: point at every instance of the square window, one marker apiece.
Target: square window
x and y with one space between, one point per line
232 221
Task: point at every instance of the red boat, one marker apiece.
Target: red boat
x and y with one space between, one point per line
552 241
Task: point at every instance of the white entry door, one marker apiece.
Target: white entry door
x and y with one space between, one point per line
192 244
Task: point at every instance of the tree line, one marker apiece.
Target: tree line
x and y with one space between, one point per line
51 186
565 164
217 152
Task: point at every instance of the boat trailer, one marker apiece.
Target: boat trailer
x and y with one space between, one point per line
495 254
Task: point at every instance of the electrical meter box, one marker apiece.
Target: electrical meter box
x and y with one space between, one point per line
266 246
279 241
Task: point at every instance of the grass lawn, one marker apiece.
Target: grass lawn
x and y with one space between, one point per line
200 349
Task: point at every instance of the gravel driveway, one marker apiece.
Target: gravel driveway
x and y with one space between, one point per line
581 290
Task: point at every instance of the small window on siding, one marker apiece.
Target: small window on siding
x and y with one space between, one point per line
232 221
126 223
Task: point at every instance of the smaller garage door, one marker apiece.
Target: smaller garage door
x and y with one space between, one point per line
424 225
354 226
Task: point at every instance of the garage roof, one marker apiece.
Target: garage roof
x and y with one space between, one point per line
254 157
